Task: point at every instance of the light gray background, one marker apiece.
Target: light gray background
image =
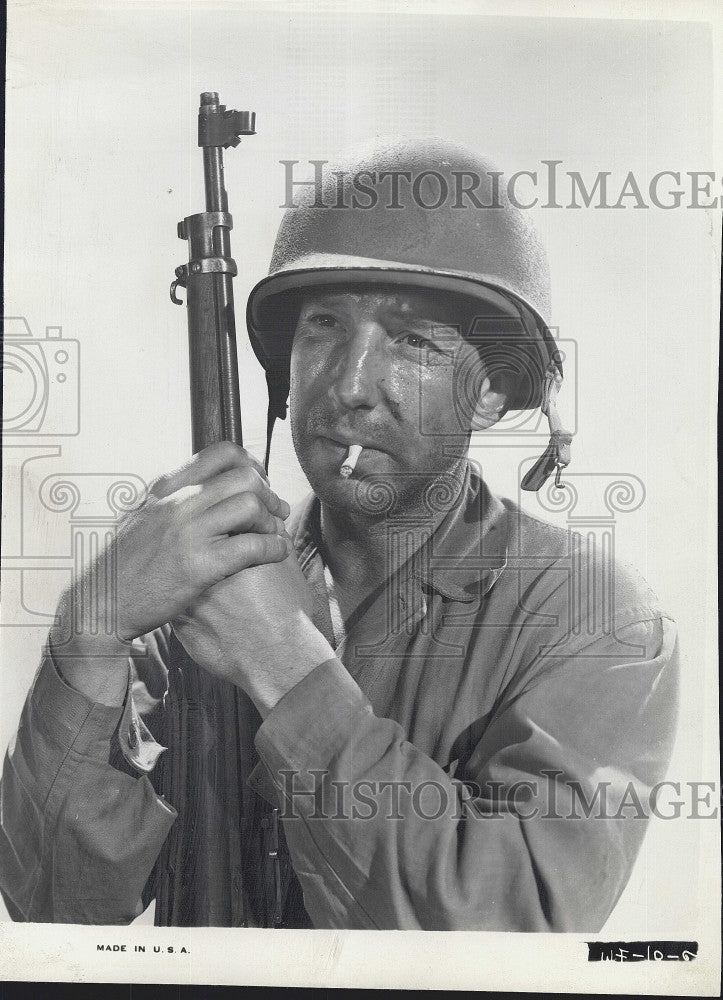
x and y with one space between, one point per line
102 163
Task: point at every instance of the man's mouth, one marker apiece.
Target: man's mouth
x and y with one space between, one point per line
344 441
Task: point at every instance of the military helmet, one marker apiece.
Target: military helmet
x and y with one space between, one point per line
427 214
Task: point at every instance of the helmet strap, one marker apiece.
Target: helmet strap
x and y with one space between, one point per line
270 421
557 454
277 383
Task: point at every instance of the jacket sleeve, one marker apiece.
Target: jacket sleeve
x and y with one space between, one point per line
382 837
80 823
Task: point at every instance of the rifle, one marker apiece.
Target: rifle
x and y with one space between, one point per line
211 862
215 404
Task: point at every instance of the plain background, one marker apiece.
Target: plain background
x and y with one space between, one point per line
102 163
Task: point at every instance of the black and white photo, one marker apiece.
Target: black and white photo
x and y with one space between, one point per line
363 580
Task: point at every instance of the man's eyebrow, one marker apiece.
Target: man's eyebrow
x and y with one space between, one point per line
418 314
399 311
323 298
432 326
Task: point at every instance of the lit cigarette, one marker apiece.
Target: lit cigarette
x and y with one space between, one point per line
350 460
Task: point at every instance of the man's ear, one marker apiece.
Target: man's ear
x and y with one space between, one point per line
491 405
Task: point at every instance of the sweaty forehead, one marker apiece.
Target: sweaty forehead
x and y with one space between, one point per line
411 303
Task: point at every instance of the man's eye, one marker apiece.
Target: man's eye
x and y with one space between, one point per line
326 320
423 346
417 340
422 350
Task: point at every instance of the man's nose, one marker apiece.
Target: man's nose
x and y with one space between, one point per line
360 370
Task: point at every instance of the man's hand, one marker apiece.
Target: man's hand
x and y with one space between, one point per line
197 526
254 629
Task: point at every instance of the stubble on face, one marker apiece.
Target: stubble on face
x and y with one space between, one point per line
403 348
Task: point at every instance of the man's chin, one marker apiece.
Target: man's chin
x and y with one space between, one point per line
377 497
322 460
372 491
380 486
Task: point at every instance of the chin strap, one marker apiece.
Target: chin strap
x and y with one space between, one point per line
557 454
278 386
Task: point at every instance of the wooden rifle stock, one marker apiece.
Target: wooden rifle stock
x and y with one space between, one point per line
203 872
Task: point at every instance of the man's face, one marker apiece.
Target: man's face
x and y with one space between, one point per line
378 368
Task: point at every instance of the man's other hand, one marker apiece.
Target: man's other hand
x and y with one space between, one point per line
254 629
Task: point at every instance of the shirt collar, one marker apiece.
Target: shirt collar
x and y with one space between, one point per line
468 552
465 556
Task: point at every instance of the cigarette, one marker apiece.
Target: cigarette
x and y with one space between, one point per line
350 461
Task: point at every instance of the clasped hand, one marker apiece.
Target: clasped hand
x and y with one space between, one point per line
207 551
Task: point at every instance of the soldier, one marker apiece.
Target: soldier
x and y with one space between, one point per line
437 690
